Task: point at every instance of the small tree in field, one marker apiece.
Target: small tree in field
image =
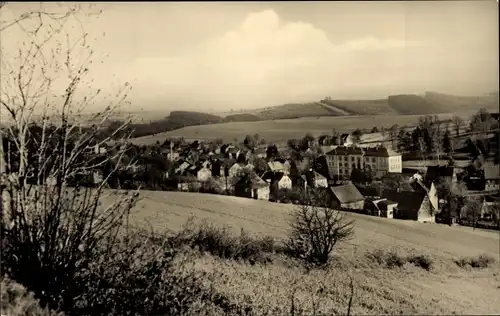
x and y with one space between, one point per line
316 230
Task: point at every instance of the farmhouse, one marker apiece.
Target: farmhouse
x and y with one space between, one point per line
348 196
420 205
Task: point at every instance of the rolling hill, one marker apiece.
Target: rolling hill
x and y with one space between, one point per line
446 289
282 130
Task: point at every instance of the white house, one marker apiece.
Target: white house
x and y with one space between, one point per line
320 181
203 174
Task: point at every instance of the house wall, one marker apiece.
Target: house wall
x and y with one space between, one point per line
321 183
263 194
359 205
233 171
285 183
425 213
390 211
204 174
395 164
491 185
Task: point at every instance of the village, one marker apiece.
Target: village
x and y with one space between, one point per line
372 172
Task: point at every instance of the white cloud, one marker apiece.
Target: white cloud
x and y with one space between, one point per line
268 61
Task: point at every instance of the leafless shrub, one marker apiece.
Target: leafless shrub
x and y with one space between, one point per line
315 231
61 240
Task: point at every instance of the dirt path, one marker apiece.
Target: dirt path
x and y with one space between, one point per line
334 108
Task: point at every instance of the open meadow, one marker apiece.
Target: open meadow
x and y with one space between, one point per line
378 289
281 130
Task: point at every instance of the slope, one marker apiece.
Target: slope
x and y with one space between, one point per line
379 290
171 210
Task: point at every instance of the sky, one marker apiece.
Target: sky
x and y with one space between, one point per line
217 56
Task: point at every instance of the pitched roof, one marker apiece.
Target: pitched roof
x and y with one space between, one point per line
407 200
319 176
347 193
275 165
344 150
491 172
273 176
380 152
232 150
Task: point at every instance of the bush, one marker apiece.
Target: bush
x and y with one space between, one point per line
422 261
393 259
479 262
222 243
315 231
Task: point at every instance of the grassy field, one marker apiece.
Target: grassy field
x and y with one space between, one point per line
446 289
282 130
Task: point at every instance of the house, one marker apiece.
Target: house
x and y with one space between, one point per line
182 168
315 179
440 173
491 177
254 188
232 152
259 152
490 208
97 177
348 196
420 205
278 181
203 174
382 207
246 154
100 150
276 166
235 169
217 168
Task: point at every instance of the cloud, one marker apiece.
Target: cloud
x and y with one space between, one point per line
266 61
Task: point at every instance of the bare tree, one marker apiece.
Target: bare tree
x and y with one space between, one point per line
457 122
52 229
436 139
316 229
